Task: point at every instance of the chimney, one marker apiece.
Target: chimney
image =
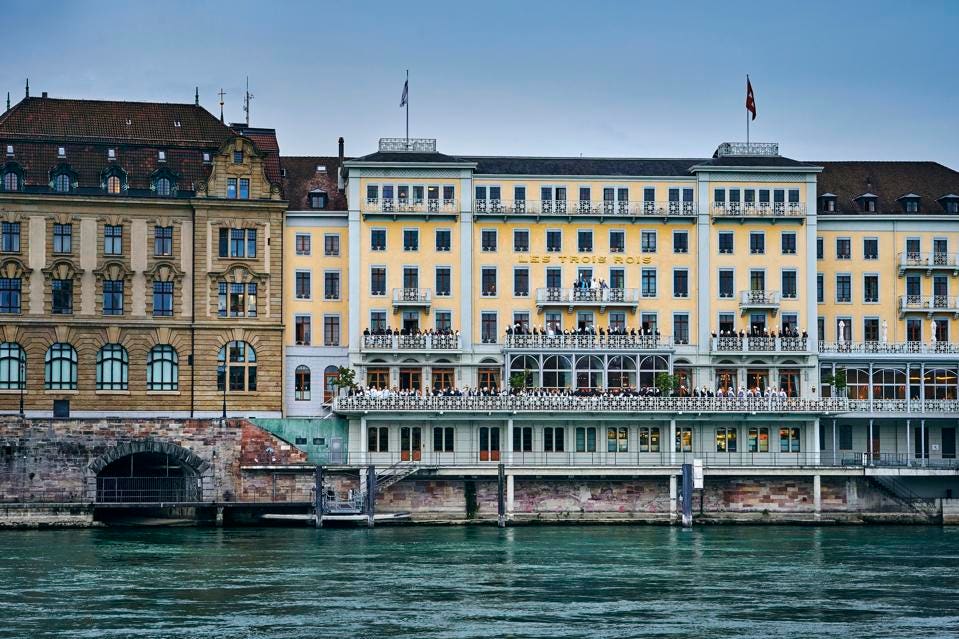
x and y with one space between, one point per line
43 95
340 184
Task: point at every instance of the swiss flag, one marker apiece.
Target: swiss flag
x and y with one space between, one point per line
750 98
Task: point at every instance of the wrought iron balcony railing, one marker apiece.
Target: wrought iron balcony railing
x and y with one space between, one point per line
573 297
588 342
928 304
584 207
934 261
903 406
411 343
888 348
759 299
412 206
758 209
769 149
420 297
506 404
759 344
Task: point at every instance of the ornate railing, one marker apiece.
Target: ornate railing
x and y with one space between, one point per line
889 348
758 209
417 145
411 205
919 406
574 404
583 207
929 260
588 342
759 298
759 343
928 303
412 296
587 296
748 148
411 342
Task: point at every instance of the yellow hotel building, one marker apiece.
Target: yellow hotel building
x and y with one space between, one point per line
820 298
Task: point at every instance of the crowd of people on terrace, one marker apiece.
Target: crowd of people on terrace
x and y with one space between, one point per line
626 391
415 332
785 331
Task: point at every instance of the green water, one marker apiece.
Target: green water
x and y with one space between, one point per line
481 582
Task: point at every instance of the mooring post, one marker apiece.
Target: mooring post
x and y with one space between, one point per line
370 494
501 494
687 495
318 497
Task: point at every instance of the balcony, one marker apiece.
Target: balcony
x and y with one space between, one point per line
412 298
888 348
773 210
571 208
928 262
920 407
412 207
573 298
604 343
759 344
634 407
410 343
759 301
928 304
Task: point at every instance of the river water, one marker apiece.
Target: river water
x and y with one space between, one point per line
557 581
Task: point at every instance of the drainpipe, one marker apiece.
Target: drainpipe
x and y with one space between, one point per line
193 316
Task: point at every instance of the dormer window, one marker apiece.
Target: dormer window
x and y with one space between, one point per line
61 152
113 184
113 180
238 157
111 154
61 183
164 187
829 202
12 178
161 156
206 157
9 150
950 203
910 203
318 199
867 202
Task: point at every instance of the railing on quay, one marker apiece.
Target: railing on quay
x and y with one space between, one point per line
588 342
759 343
429 342
584 207
897 460
117 490
889 348
575 404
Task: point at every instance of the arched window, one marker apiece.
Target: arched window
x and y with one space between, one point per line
60 367
113 368
238 359
61 183
329 387
164 187
11 181
528 367
621 372
649 368
113 184
589 372
163 368
301 383
557 371
13 366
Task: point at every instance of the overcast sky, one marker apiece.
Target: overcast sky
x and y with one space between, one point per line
833 80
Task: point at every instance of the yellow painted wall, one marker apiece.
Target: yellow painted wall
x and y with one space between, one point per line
317 263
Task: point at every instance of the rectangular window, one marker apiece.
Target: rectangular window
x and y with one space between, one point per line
62 238
331 330
521 282
113 297
586 439
554 439
444 321
10 294
113 239
244 189
163 240
870 289
163 299
519 199
844 288
681 283
681 328
331 245
680 242
757 243
554 278
649 439
303 241
488 331
870 248
443 281
62 297
584 241
303 285
378 240
789 284
870 329
617 241
10 240
231 188
377 320
726 285
378 437
684 440
725 243
443 439
331 285
520 240
820 289
759 439
845 436
488 240
617 439
378 280
617 278
411 277
488 281
523 439
726 440
303 330
444 241
843 248
789 441
819 248
554 241
648 239
788 243
648 282
411 240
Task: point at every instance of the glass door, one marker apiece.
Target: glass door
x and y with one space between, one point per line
489 443
411 443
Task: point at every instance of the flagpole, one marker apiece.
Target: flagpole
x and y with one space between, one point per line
747 115
407 109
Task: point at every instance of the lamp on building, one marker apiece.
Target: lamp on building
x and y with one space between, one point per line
221 370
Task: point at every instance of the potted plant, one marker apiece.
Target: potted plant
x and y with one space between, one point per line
667 384
345 379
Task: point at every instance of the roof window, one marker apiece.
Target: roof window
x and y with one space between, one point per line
61 152
206 157
176 123
321 168
161 156
111 154
10 150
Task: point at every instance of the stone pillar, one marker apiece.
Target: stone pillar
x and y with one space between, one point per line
671 443
508 444
510 496
817 494
908 442
501 495
922 442
813 457
834 447
672 498
869 444
364 437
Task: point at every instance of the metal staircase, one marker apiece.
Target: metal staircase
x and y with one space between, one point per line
395 473
899 491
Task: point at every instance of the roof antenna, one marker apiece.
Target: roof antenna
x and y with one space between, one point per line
222 93
196 97
246 101
28 87
8 100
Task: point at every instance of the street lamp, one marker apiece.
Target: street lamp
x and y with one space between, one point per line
221 369
23 384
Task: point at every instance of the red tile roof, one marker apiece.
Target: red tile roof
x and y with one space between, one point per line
889 181
302 177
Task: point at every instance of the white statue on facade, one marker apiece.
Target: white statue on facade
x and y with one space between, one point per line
933 332
885 331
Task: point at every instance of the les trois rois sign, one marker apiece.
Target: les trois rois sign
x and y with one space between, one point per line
584 259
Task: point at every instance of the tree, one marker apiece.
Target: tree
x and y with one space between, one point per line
345 378
521 379
667 384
